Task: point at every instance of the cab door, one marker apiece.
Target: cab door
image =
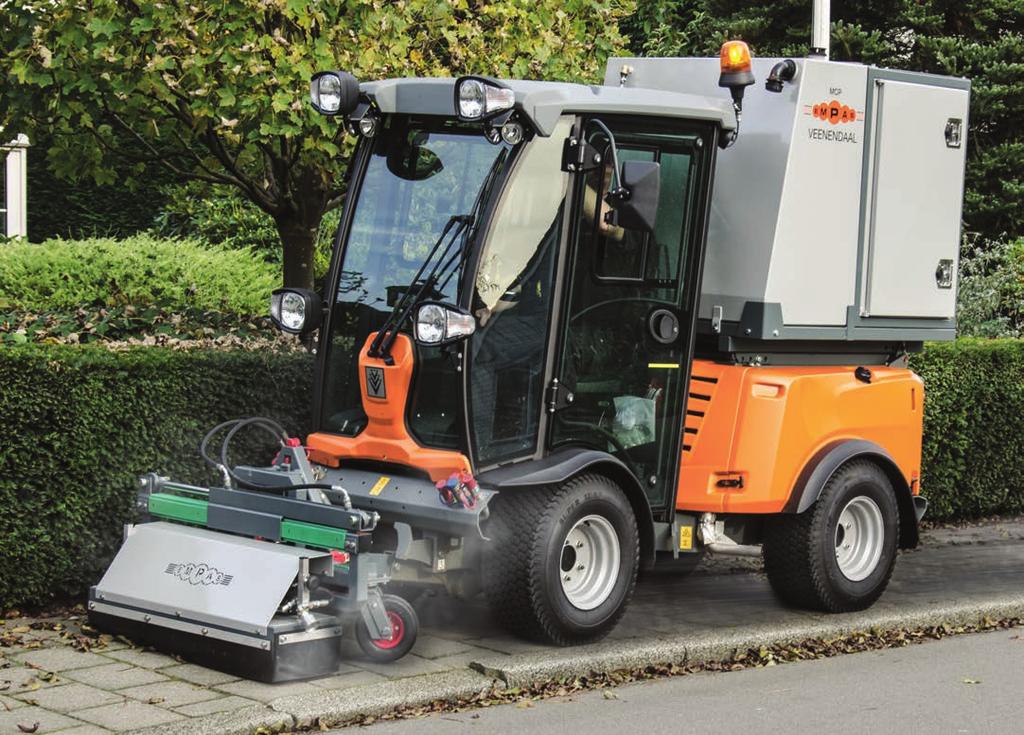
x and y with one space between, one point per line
628 315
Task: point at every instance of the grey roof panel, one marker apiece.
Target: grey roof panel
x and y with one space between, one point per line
544 102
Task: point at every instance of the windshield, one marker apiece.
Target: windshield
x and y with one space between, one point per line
420 173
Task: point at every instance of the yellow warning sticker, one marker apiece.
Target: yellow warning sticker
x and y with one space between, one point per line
378 487
685 538
663 365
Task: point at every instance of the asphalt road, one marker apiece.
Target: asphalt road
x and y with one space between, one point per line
964 684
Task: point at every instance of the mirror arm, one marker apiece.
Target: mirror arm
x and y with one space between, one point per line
618 190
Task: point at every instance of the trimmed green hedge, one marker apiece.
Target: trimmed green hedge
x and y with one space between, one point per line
80 424
141 270
973 427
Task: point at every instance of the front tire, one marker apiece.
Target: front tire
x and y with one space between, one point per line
837 556
562 562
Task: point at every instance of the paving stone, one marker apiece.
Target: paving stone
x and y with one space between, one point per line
71 697
344 681
7 703
171 693
145 659
23 678
222 704
198 674
86 730
127 715
409 665
48 721
117 675
266 692
506 644
62 658
429 646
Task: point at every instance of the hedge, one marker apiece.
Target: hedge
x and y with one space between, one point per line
82 423
142 270
973 428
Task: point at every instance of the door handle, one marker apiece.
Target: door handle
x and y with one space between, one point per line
664 326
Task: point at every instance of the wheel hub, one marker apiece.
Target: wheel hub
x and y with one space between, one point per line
859 537
589 562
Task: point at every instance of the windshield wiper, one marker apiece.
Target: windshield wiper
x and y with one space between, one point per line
386 335
459 227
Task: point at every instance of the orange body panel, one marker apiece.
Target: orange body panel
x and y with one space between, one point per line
386 437
761 426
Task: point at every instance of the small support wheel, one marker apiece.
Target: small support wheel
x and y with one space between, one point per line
405 626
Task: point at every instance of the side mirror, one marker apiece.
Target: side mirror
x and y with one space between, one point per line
635 203
296 310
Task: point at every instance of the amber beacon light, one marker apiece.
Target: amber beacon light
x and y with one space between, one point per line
736 73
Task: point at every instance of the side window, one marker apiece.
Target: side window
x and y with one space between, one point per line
633 256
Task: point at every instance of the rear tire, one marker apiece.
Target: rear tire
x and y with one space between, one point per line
838 555
562 562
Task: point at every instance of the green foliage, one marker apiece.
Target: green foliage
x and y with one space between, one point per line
74 210
222 216
990 289
982 40
973 427
82 423
66 275
220 96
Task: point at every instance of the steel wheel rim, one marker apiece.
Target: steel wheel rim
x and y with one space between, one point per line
859 537
589 564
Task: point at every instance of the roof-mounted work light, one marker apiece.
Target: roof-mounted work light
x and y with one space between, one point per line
333 92
478 98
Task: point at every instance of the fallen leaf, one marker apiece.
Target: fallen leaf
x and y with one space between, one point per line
155 700
972 681
609 694
21 629
525 704
33 702
25 727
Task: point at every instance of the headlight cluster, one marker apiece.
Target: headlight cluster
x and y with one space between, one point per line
440 323
333 92
295 310
478 99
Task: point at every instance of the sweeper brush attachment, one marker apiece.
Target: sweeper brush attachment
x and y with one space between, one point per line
260 582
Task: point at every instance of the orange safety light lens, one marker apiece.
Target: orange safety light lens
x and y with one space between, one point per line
735 57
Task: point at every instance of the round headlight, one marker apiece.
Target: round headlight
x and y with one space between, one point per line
326 93
472 98
430 324
512 132
293 311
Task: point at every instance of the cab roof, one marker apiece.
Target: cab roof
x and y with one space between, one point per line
544 102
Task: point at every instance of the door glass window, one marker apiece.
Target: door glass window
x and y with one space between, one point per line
512 303
628 388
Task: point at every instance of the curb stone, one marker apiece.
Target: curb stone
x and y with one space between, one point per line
307 710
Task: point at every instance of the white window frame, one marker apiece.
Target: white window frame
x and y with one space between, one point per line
15 208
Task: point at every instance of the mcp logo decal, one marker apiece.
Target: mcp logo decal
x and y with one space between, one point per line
834 112
197 574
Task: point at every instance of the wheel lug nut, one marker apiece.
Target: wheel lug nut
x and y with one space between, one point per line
579 568
568 578
579 544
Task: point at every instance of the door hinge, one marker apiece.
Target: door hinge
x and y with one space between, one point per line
558 396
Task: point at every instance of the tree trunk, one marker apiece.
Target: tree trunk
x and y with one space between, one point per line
298 241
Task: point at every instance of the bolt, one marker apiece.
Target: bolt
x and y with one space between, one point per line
579 544
264 645
204 631
597 158
579 568
568 578
92 605
146 618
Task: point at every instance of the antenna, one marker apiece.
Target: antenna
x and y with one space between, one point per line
820 28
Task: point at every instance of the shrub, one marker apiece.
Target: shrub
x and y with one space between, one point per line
141 270
990 298
222 216
82 423
973 427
